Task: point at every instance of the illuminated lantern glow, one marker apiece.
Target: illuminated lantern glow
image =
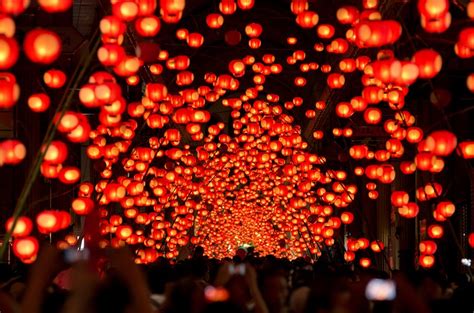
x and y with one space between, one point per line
426 261
214 20
12 152
446 208
435 231
377 33
471 240
23 226
227 7
428 247
443 142
82 206
54 6
25 248
307 19
377 246
429 63
9 90
42 46
39 102
410 210
14 7
245 4
56 153
9 52
336 81
399 198
69 175
326 31
126 10
123 232
466 149
54 78
347 15
433 8
148 26
195 40
365 262
347 218
372 116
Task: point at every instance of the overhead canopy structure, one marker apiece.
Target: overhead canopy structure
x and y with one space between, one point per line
301 128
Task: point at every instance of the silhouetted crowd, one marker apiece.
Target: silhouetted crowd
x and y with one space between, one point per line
246 283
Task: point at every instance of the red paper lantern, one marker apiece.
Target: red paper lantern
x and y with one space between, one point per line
23 226
429 62
9 52
25 248
42 46
54 6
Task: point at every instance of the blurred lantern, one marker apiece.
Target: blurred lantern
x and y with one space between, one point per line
365 262
426 261
148 26
12 152
54 78
42 46
53 6
39 102
443 142
25 248
56 153
214 20
9 52
428 247
307 19
23 226
429 62
9 90
435 231
446 208
69 175
466 149
410 210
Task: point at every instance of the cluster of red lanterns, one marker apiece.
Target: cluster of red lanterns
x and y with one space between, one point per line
254 180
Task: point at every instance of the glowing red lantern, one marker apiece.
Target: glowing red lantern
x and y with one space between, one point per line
25 248
227 7
9 52
429 63
466 149
39 102
446 208
53 6
12 152
307 19
56 153
365 262
54 78
82 206
123 232
336 81
372 115
428 247
69 175
410 210
23 226
444 142
42 46
14 7
148 26
426 261
399 198
471 240
435 231
214 20
9 90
